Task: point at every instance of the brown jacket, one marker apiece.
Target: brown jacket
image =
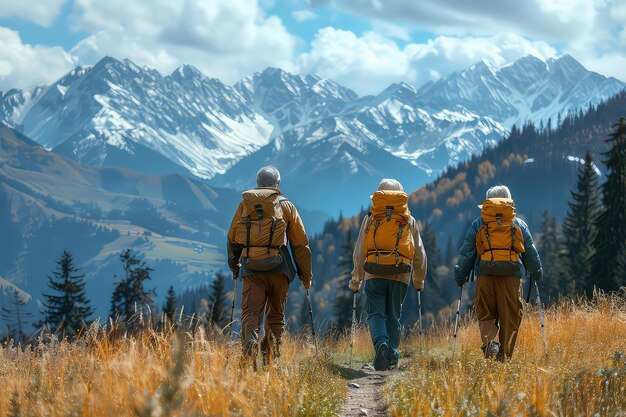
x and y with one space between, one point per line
296 234
419 260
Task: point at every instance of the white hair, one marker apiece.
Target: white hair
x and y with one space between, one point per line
499 191
389 184
268 177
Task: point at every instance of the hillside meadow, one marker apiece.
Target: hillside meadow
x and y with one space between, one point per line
197 374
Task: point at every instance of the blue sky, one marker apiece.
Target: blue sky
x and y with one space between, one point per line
364 44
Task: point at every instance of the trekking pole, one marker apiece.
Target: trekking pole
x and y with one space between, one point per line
232 310
308 297
543 327
353 326
419 315
456 323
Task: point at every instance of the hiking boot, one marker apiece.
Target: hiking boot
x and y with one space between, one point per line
394 358
381 361
493 350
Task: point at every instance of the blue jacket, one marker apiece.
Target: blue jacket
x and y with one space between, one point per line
468 258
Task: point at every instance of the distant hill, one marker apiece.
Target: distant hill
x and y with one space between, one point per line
49 203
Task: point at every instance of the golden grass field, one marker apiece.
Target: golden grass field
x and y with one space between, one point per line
159 374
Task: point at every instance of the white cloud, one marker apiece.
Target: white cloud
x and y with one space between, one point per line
23 65
445 54
42 12
370 63
550 20
226 39
391 30
366 64
593 31
303 15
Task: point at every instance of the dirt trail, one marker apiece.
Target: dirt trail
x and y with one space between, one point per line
367 399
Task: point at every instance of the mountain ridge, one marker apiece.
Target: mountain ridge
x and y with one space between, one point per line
116 113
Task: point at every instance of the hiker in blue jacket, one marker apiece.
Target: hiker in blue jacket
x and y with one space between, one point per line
496 252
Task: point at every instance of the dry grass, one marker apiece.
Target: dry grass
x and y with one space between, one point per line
584 373
163 375
158 375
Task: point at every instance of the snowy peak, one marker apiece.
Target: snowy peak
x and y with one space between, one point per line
401 91
290 100
185 72
527 89
116 113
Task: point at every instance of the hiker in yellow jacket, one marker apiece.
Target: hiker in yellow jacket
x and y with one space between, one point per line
265 222
387 254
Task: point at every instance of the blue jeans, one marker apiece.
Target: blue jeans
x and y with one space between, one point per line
384 299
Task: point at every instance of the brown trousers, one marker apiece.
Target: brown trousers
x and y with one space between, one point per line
499 311
263 293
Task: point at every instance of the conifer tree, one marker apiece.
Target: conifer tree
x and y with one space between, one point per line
170 305
67 309
15 316
550 254
450 252
218 310
608 262
130 295
343 302
579 228
434 297
303 315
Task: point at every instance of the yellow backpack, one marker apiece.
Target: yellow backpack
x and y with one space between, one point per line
261 229
499 241
388 247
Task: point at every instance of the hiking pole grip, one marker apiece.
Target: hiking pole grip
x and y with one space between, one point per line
352 326
308 297
456 322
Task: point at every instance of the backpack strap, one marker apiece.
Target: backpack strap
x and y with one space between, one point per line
375 246
272 228
488 240
389 212
259 213
512 241
248 226
395 249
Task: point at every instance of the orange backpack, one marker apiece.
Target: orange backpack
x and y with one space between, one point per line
388 247
499 241
261 229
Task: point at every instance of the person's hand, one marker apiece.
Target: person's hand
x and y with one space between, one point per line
419 285
536 276
306 284
235 275
460 281
354 285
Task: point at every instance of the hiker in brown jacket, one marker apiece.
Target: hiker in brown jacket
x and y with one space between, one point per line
257 252
378 259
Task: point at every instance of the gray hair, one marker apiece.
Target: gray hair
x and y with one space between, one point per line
499 191
268 177
389 184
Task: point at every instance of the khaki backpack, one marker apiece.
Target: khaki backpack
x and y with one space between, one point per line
388 247
499 241
261 229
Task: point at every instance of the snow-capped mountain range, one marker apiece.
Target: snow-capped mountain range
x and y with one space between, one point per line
116 113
